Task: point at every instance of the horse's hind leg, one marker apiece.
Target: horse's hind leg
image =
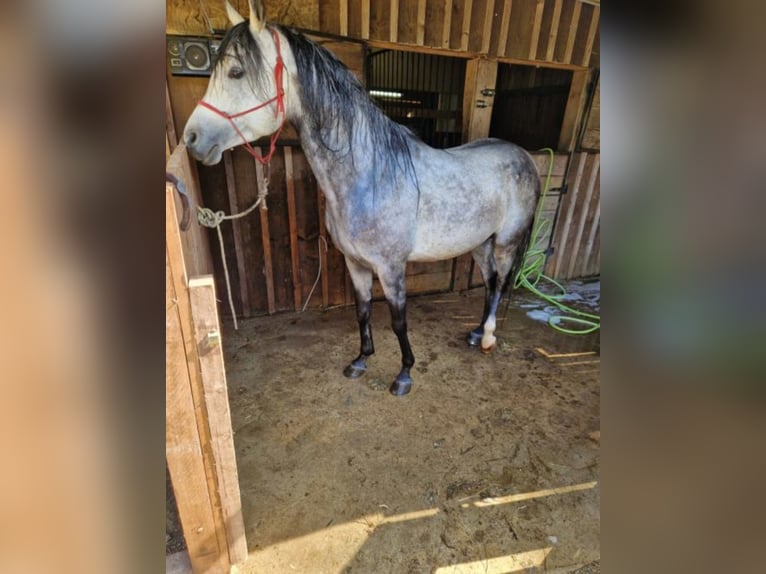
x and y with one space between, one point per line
362 280
484 258
503 257
393 285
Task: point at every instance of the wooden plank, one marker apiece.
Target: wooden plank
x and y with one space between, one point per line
572 33
585 270
195 241
502 42
521 28
329 17
187 434
208 334
294 257
466 27
393 33
462 272
183 451
486 33
354 19
321 201
574 108
479 74
231 190
421 23
466 55
553 34
447 23
536 23
268 266
343 18
592 29
577 237
365 19
571 199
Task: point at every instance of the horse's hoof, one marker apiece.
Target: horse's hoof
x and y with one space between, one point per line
401 386
473 339
353 371
488 350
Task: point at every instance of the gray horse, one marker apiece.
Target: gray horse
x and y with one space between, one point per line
390 197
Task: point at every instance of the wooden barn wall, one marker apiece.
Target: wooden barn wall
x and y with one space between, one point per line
591 140
577 235
277 251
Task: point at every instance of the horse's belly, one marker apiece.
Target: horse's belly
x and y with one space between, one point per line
445 243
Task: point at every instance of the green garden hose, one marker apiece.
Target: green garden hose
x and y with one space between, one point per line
531 275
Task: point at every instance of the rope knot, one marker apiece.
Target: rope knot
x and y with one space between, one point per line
209 218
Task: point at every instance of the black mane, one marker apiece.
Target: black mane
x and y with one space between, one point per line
336 106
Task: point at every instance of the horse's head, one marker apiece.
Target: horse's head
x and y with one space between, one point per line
243 101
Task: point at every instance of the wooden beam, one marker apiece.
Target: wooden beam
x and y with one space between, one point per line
343 17
207 331
365 19
394 22
292 219
479 74
465 31
486 34
502 42
268 268
382 44
594 19
536 23
572 32
553 35
231 190
421 24
574 110
447 24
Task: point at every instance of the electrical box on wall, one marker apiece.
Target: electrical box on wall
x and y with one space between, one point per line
191 55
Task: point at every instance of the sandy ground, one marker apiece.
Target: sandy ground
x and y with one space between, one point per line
489 464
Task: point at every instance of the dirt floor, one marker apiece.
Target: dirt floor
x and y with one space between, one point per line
489 465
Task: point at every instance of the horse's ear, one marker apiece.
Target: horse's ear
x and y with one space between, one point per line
234 16
257 15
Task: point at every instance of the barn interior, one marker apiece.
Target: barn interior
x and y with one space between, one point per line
276 462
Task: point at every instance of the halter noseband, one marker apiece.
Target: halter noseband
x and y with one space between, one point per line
279 99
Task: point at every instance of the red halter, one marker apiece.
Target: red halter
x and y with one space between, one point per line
279 98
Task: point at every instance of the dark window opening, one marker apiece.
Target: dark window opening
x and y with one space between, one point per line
529 105
421 91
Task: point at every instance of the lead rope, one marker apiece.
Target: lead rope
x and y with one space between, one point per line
213 219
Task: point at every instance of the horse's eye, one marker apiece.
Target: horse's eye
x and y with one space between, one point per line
236 73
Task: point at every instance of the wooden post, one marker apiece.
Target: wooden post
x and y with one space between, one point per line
573 113
502 42
292 217
536 23
572 34
207 336
268 269
421 23
231 189
480 74
187 436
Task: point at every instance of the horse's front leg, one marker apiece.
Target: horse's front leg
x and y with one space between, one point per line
396 296
361 277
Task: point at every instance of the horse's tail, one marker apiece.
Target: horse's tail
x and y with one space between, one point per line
518 259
